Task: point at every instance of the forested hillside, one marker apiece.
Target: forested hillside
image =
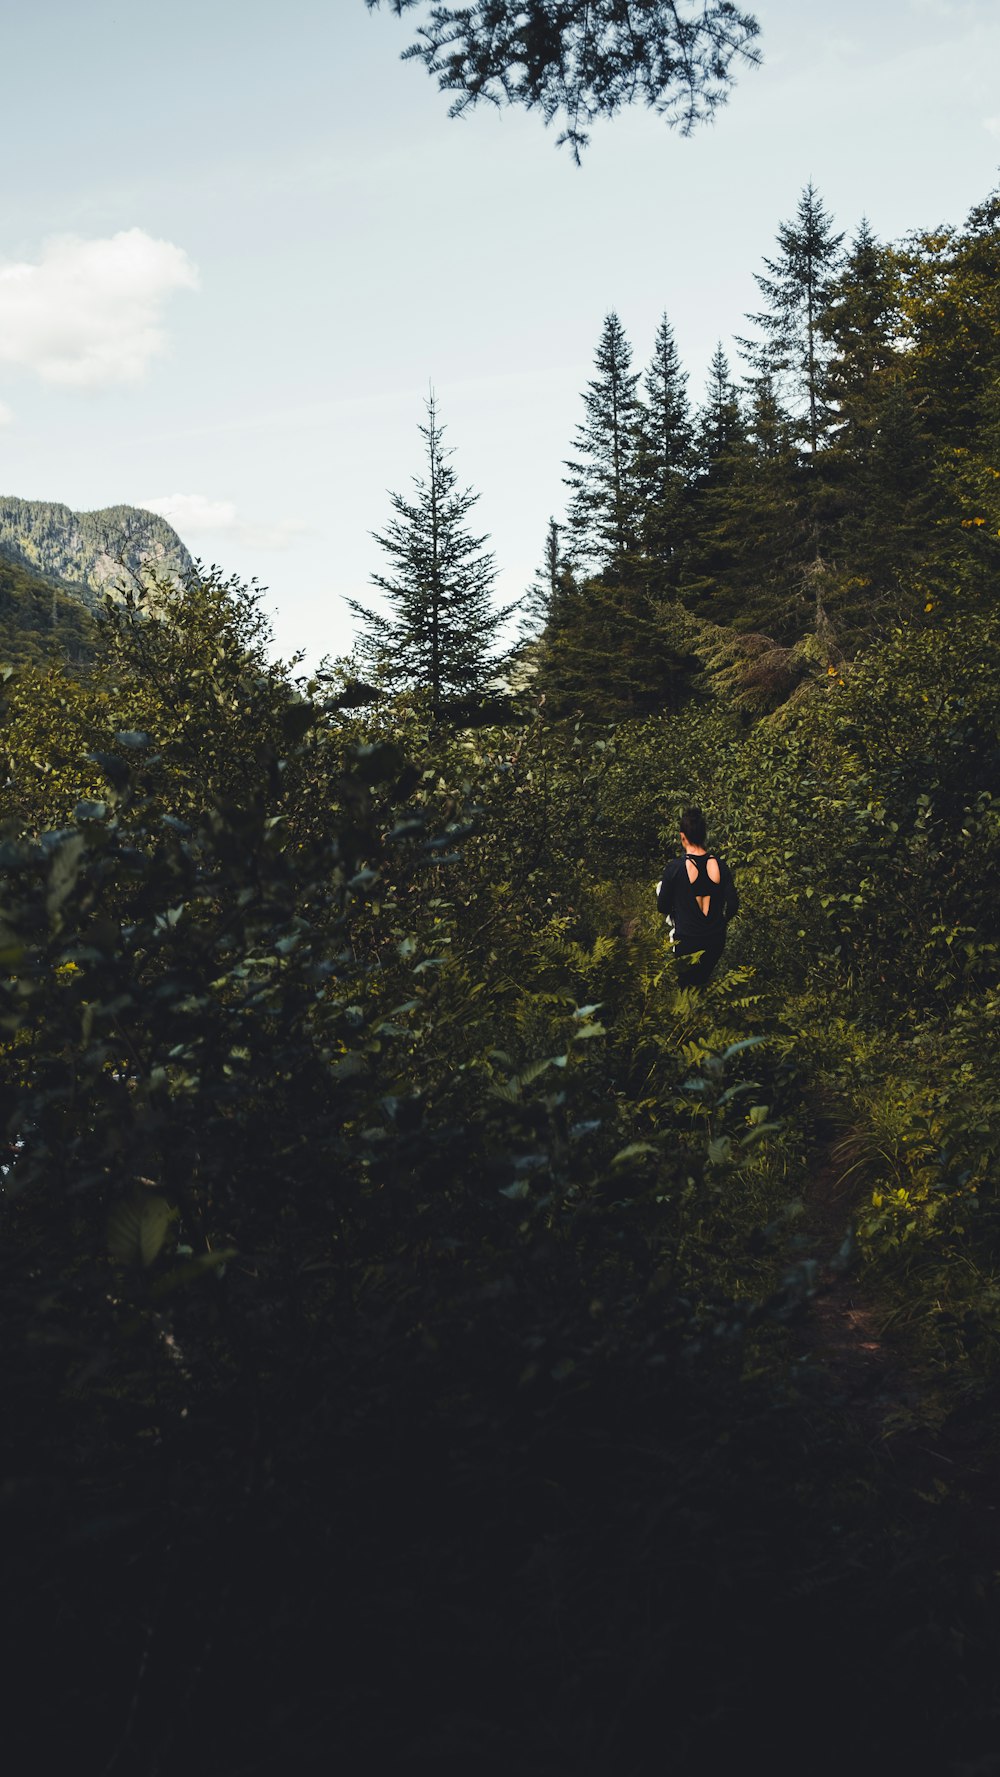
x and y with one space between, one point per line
38 619
845 483
435 1339
91 553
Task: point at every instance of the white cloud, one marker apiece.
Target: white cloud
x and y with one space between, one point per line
194 516
6 414
992 124
88 312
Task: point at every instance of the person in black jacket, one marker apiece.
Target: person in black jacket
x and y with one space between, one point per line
698 895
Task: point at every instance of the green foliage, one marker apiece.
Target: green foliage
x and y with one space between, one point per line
398 1261
576 62
39 621
850 486
614 651
327 1057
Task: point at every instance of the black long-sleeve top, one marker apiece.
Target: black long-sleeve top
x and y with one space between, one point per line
678 897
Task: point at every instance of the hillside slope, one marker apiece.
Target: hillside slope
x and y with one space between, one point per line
39 617
89 553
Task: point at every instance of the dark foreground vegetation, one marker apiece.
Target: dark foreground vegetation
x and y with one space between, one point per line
419 1314
409 1360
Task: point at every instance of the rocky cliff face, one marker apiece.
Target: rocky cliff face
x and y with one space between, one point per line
92 554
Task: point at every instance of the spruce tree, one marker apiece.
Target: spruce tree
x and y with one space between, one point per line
665 455
950 299
440 631
887 529
550 580
605 510
614 652
746 564
719 429
878 460
796 287
862 324
719 422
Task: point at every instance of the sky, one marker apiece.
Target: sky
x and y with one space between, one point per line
240 240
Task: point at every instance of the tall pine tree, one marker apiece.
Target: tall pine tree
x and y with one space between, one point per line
878 459
665 457
719 422
440 632
744 566
862 324
605 510
541 600
792 348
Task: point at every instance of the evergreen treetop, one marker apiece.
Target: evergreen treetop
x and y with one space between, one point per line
796 288
604 517
665 454
542 597
719 422
440 631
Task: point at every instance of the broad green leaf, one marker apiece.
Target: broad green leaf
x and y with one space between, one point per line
138 1228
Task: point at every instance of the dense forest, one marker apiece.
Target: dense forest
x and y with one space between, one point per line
437 1340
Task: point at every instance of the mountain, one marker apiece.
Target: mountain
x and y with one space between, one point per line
90 554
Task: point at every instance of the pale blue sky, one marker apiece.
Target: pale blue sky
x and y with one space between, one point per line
329 243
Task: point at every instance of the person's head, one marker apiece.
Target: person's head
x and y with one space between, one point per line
693 826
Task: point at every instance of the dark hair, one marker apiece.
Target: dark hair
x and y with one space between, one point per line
693 826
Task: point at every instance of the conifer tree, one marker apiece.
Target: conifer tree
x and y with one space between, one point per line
719 430
665 454
719 422
796 287
614 652
745 565
878 460
950 299
605 510
551 579
581 59
440 632
862 324
887 526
